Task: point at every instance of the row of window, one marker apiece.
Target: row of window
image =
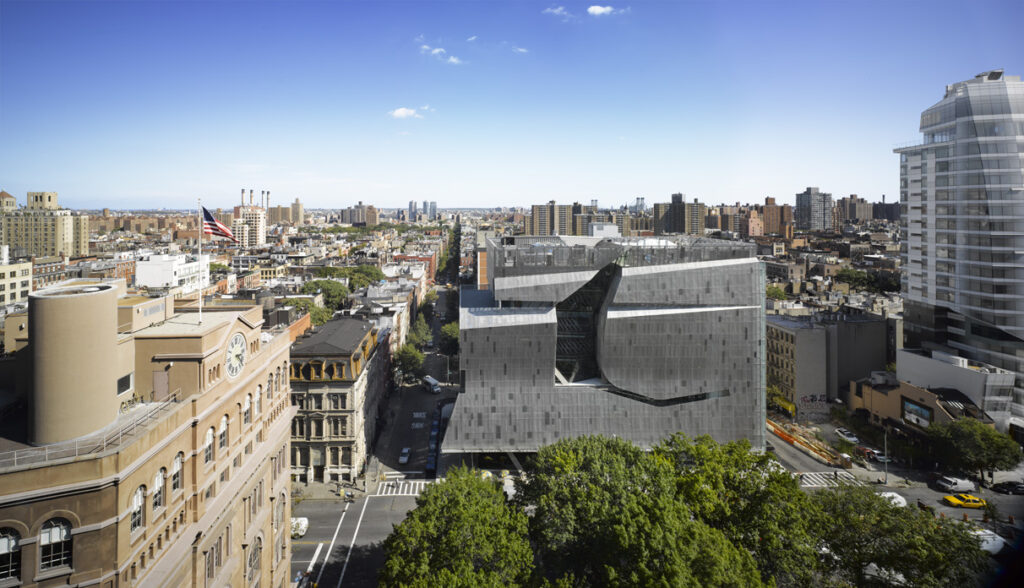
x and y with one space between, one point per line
54 548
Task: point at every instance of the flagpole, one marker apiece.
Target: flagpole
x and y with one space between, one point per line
199 203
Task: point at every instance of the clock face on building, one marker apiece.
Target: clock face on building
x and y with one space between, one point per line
234 361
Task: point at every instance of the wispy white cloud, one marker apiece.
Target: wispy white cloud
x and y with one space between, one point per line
605 10
471 39
405 113
440 53
427 108
559 11
520 50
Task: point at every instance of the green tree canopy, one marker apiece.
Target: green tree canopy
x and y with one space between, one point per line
218 267
359 276
334 293
317 315
450 338
607 514
462 533
775 293
970 445
751 499
409 360
419 334
869 540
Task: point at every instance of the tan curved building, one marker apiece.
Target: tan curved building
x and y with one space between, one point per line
153 449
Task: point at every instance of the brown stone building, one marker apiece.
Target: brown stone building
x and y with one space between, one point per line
153 447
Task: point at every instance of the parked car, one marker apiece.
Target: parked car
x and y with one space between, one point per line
403 458
880 457
964 501
950 484
846 435
1008 487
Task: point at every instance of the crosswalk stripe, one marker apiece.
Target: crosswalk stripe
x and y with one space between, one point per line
402 487
827 479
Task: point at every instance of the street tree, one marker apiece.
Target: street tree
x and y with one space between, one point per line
419 334
775 293
462 532
869 540
333 292
751 499
318 315
606 513
408 360
450 338
970 445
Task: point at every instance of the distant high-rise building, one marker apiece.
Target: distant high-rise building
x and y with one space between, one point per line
433 210
558 219
255 218
280 215
885 210
298 213
961 190
679 217
813 210
853 209
412 211
43 228
776 216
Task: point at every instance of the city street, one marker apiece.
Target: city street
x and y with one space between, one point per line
909 484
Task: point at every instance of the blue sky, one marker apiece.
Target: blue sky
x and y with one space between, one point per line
487 103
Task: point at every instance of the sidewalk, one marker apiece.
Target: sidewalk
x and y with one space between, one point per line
328 490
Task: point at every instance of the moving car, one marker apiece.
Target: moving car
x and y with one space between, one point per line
299 526
846 435
964 501
403 458
1008 487
950 484
432 385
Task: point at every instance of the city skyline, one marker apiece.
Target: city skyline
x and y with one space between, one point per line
134 105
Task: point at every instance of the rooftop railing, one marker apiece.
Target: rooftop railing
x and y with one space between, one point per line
92 444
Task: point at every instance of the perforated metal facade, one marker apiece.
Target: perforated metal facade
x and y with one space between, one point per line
633 338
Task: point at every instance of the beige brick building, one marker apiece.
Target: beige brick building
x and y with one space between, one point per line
153 450
43 228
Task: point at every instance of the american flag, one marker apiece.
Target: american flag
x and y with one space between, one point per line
212 226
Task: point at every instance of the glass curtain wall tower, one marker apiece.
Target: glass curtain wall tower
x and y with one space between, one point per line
962 218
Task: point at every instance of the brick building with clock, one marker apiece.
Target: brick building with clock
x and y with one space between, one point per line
151 446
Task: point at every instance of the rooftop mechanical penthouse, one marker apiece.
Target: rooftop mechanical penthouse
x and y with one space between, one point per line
638 338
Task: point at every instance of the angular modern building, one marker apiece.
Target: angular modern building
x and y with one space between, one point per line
632 338
962 199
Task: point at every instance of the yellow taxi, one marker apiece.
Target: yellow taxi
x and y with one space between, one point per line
964 501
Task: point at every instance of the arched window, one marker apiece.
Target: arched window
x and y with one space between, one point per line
55 544
208 446
247 409
138 508
255 553
270 386
222 434
277 380
257 402
158 488
10 554
176 471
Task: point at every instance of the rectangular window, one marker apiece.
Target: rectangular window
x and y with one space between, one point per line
124 383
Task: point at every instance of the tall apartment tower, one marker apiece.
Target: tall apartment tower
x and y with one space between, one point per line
813 210
412 211
962 195
254 218
298 213
433 210
43 228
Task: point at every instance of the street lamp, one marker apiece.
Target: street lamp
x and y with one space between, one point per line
885 452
